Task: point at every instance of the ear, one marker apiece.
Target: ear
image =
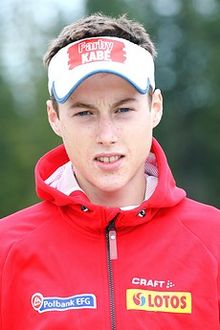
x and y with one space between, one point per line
53 118
157 107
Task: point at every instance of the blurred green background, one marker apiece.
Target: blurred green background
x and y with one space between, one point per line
187 37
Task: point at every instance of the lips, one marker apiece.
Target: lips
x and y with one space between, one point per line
110 162
108 159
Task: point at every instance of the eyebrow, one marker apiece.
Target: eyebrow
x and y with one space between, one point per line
90 106
121 102
82 105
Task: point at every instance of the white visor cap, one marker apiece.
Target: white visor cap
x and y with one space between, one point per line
86 57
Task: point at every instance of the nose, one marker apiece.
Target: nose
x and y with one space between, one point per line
106 133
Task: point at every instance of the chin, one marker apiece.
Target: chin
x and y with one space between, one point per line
111 187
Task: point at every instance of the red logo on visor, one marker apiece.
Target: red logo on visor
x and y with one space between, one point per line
96 49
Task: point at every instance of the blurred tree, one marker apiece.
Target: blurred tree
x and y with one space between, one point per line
192 101
186 34
9 177
24 137
25 133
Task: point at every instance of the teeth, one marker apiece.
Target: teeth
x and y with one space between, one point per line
108 159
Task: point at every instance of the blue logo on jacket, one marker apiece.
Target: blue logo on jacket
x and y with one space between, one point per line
47 304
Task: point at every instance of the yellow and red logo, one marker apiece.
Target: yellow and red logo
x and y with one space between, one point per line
159 301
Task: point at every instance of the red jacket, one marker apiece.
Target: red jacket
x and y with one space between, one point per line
68 264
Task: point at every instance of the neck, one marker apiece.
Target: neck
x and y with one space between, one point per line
130 195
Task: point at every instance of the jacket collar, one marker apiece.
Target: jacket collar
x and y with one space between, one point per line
165 195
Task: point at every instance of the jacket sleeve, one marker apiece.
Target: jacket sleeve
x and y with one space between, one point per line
204 222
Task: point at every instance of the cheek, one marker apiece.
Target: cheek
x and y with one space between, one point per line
78 149
140 140
141 132
71 135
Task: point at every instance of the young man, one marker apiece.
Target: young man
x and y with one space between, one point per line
114 244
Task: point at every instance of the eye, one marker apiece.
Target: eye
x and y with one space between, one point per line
122 110
83 113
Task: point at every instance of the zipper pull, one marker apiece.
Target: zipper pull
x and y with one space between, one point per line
113 244
112 241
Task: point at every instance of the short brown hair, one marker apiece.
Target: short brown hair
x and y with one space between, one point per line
98 25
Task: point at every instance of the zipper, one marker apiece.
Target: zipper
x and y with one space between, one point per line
111 240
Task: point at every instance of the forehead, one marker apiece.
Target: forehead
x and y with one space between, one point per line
105 82
107 90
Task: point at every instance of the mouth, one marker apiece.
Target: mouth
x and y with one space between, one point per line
108 159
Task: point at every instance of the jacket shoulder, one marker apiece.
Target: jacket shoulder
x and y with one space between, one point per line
203 221
28 218
193 212
17 226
